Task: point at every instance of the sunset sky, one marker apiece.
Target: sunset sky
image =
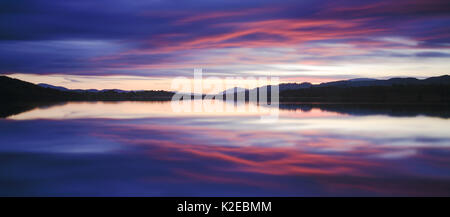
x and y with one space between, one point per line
144 44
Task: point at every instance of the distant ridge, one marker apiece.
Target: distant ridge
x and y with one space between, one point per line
80 90
394 90
356 82
16 90
359 82
445 79
52 87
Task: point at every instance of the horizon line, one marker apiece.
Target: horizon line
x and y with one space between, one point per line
296 82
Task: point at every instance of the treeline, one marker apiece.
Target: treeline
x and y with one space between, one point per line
17 90
436 93
410 93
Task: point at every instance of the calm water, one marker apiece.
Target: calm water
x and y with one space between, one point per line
147 149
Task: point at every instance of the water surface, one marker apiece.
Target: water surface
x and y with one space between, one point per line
147 149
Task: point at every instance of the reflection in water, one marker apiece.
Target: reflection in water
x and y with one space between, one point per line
139 109
144 149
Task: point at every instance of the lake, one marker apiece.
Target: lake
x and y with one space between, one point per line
154 149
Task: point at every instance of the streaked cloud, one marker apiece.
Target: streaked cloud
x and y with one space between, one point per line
169 38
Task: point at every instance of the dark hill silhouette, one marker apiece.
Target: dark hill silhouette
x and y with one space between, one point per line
394 90
16 90
362 82
397 96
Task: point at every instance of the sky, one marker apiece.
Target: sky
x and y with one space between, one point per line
145 44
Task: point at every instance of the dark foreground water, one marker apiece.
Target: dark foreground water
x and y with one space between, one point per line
149 149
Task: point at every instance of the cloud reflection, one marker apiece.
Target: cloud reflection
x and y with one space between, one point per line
224 156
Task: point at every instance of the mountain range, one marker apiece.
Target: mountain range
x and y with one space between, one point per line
81 90
433 89
358 82
16 90
360 90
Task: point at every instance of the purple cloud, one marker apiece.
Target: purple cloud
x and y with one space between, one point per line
146 38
